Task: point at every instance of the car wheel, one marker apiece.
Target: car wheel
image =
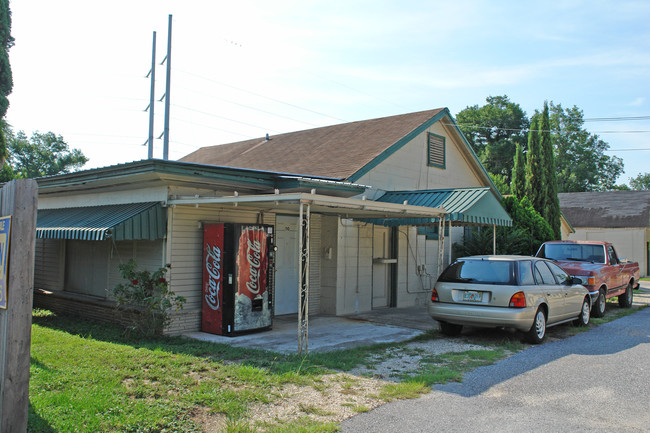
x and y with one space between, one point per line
600 305
450 329
583 318
625 300
537 332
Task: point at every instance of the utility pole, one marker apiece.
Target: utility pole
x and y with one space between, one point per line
152 73
167 90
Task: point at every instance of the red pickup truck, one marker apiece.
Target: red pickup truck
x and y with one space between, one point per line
599 268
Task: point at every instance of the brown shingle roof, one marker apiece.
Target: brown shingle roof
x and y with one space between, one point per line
610 209
337 151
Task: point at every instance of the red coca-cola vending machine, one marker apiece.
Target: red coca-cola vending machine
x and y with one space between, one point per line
237 278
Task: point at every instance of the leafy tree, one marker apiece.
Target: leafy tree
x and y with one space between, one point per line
40 155
518 184
581 162
501 183
6 80
494 130
641 182
551 206
535 172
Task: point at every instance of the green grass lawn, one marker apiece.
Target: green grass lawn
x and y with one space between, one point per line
88 377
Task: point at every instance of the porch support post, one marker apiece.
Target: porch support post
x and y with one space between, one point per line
441 243
494 238
450 242
303 278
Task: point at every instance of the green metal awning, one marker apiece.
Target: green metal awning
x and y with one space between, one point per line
464 206
134 221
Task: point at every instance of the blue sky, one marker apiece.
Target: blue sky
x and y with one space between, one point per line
243 70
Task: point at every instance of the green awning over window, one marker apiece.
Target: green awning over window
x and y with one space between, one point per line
134 221
464 206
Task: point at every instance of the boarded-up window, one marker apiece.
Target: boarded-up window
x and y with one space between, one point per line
436 150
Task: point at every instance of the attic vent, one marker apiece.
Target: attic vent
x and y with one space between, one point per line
436 145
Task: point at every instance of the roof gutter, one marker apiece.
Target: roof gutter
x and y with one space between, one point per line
395 210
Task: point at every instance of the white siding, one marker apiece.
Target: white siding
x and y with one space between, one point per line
329 251
158 193
186 256
315 258
354 261
417 261
407 168
147 254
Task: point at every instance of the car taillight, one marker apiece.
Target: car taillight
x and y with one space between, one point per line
434 296
518 300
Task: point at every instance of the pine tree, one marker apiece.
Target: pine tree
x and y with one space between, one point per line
518 184
551 205
6 80
535 172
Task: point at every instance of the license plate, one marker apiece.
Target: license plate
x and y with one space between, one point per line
472 296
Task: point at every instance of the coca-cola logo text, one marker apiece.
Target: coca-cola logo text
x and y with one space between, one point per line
253 255
213 268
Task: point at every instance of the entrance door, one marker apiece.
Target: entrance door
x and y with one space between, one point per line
286 265
380 269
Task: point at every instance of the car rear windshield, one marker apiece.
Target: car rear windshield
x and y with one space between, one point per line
576 252
479 271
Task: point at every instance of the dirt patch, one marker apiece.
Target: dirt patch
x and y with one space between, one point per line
336 397
399 361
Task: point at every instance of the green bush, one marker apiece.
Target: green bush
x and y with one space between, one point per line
147 296
529 230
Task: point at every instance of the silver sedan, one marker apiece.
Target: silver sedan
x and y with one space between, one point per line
520 292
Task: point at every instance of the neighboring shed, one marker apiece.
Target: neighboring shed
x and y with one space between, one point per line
619 217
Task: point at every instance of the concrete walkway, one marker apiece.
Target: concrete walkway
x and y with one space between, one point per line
327 333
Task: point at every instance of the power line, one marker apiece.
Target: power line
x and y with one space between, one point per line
250 107
522 130
211 127
616 119
627 150
226 118
262 96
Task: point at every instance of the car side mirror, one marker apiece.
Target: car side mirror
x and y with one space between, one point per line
574 280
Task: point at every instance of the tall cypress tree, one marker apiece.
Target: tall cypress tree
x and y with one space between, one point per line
551 206
535 172
6 80
518 184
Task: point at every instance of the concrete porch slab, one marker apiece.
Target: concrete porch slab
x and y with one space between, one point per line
327 333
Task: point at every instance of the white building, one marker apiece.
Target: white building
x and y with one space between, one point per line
376 193
619 217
